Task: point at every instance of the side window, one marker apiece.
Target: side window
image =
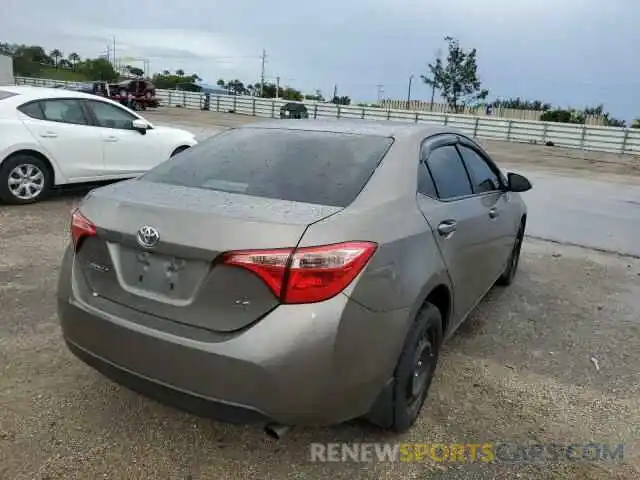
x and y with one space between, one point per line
63 111
33 110
425 182
483 178
448 173
110 116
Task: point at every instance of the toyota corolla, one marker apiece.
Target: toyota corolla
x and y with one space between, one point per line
291 273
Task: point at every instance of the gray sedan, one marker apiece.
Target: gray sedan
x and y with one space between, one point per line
291 273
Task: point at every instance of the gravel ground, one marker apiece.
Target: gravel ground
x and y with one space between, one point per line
519 370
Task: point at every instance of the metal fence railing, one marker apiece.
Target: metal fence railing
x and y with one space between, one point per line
585 137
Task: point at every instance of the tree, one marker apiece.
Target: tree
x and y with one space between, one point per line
180 72
74 58
344 100
236 87
98 69
458 78
580 116
290 93
560 115
518 104
316 97
56 55
636 123
166 72
138 72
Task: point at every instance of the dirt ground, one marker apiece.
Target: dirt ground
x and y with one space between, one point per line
520 369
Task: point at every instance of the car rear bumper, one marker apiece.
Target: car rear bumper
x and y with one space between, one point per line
167 394
300 365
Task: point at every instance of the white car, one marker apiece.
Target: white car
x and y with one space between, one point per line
51 137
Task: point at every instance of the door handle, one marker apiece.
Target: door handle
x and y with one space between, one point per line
493 212
111 139
49 135
447 227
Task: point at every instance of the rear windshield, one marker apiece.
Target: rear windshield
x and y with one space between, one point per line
5 94
302 166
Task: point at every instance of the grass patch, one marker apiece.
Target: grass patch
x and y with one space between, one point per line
62 74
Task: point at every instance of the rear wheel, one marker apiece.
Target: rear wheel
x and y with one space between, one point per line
24 179
509 273
416 368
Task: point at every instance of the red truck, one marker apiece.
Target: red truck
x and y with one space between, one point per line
137 94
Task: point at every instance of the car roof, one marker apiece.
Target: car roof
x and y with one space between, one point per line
28 93
381 128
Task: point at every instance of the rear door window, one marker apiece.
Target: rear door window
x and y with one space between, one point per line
32 109
304 166
64 111
449 173
5 94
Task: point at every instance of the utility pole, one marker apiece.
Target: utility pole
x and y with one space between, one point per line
380 93
277 87
264 58
114 53
335 92
409 93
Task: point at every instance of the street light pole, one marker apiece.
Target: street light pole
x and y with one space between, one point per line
409 93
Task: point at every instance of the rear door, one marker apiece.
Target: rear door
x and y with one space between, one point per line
65 132
491 192
127 152
459 219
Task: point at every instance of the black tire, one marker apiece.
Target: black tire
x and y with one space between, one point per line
421 345
509 273
8 168
178 150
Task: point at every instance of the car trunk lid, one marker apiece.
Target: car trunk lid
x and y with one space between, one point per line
180 278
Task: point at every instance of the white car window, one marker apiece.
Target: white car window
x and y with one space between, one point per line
65 111
110 116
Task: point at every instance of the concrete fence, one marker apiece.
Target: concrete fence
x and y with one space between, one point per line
585 137
499 112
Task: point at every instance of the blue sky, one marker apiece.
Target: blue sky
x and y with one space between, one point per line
567 52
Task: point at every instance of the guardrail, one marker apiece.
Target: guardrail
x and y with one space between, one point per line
584 137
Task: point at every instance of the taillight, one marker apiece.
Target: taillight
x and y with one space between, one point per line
307 274
81 227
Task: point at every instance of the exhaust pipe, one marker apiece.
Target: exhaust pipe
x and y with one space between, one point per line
275 430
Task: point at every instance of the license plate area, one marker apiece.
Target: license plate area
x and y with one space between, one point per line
161 275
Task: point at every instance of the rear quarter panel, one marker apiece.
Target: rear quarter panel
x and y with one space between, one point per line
15 137
391 288
407 258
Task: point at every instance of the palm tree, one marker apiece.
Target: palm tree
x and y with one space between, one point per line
74 58
56 55
180 72
166 72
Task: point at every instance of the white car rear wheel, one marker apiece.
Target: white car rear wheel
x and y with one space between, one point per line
24 179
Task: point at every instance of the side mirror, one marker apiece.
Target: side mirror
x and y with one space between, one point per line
140 125
518 183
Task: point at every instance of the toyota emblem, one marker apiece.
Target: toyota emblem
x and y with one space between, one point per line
148 237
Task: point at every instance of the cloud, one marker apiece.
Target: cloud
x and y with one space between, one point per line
569 52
